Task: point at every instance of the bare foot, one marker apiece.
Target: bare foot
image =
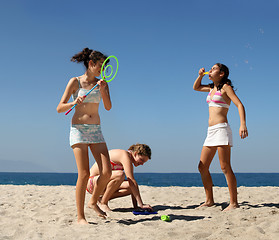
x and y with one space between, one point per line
96 208
231 206
104 207
82 221
206 204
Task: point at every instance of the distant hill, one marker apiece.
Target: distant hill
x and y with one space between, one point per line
22 166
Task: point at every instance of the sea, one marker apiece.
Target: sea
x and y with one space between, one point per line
147 179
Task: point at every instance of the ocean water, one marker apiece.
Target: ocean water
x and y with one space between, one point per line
148 179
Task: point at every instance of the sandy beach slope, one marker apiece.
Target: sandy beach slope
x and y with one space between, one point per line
49 212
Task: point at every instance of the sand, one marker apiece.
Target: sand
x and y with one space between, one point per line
49 212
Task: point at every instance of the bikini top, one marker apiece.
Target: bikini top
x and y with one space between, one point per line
116 166
93 97
217 100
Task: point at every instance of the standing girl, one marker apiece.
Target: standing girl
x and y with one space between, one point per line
219 134
86 129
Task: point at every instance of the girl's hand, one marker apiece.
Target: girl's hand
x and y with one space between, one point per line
103 84
243 132
201 72
147 206
79 100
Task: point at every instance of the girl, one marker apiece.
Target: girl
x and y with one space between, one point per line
85 129
122 160
219 135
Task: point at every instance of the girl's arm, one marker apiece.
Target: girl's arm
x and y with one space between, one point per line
129 171
197 84
104 89
63 105
243 132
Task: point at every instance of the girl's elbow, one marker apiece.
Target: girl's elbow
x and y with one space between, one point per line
58 109
240 106
108 107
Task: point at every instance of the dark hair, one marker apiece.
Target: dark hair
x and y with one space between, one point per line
224 80
88 54
141 149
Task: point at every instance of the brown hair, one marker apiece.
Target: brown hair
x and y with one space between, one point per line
88 54
141 149
224 80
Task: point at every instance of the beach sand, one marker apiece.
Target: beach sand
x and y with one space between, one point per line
49 212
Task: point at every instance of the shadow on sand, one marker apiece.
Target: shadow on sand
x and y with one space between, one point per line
260 205
148 218
158 218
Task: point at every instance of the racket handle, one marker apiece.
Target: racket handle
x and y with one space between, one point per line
83 97
91 90
70 109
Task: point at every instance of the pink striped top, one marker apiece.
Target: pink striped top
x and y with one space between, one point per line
217 100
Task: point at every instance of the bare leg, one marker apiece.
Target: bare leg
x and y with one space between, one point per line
125 190
100 153
116 180
224 153
207 155
134 201
82 161
120 193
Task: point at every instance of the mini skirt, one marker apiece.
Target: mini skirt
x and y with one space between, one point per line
86 133
218 135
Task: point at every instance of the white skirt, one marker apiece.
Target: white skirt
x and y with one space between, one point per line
219 135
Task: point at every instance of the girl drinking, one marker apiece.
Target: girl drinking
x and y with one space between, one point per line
219 134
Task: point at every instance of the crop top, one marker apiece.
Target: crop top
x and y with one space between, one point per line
93 97
217 100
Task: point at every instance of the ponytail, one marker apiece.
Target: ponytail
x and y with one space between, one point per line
88 54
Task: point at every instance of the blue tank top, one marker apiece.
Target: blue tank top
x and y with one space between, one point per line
93 97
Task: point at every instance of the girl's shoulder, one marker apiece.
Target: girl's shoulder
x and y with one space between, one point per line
118 155
117 151
74 84
227 87
74 81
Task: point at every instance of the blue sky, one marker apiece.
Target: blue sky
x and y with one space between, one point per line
160 46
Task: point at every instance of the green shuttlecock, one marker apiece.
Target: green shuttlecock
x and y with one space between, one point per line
165 218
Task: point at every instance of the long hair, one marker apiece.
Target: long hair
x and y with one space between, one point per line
224 80
88 54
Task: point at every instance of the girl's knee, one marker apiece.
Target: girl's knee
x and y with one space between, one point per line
84 175
202 167
226 169
117 180
120 175
107 173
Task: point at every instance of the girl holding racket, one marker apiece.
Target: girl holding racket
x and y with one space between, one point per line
219 134
86 129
